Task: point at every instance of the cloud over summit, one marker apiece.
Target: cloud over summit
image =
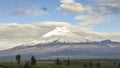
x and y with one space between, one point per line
26 33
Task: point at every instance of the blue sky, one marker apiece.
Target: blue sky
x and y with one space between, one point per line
7 7
11 5
25 21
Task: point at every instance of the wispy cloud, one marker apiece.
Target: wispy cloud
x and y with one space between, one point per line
30 12
91 15
113 2
108 6
90 18
107 9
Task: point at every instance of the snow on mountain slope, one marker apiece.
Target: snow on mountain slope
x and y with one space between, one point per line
60 34
61 41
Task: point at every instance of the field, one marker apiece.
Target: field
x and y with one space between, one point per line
83 63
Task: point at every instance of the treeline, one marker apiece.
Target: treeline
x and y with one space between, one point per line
33 61
58 63
27 64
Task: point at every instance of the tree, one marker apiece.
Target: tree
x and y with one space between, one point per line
91 65
85 65
68 62
18 57
27 65
64 61
33 60
98 65
58 62
118 65
0 66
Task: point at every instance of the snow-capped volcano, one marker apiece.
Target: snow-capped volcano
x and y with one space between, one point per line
63 42
60 34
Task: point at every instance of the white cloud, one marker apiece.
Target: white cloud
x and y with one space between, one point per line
27 32
67 1
14 34
74 7
71 6
102 7
17 34
91 15
87 16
